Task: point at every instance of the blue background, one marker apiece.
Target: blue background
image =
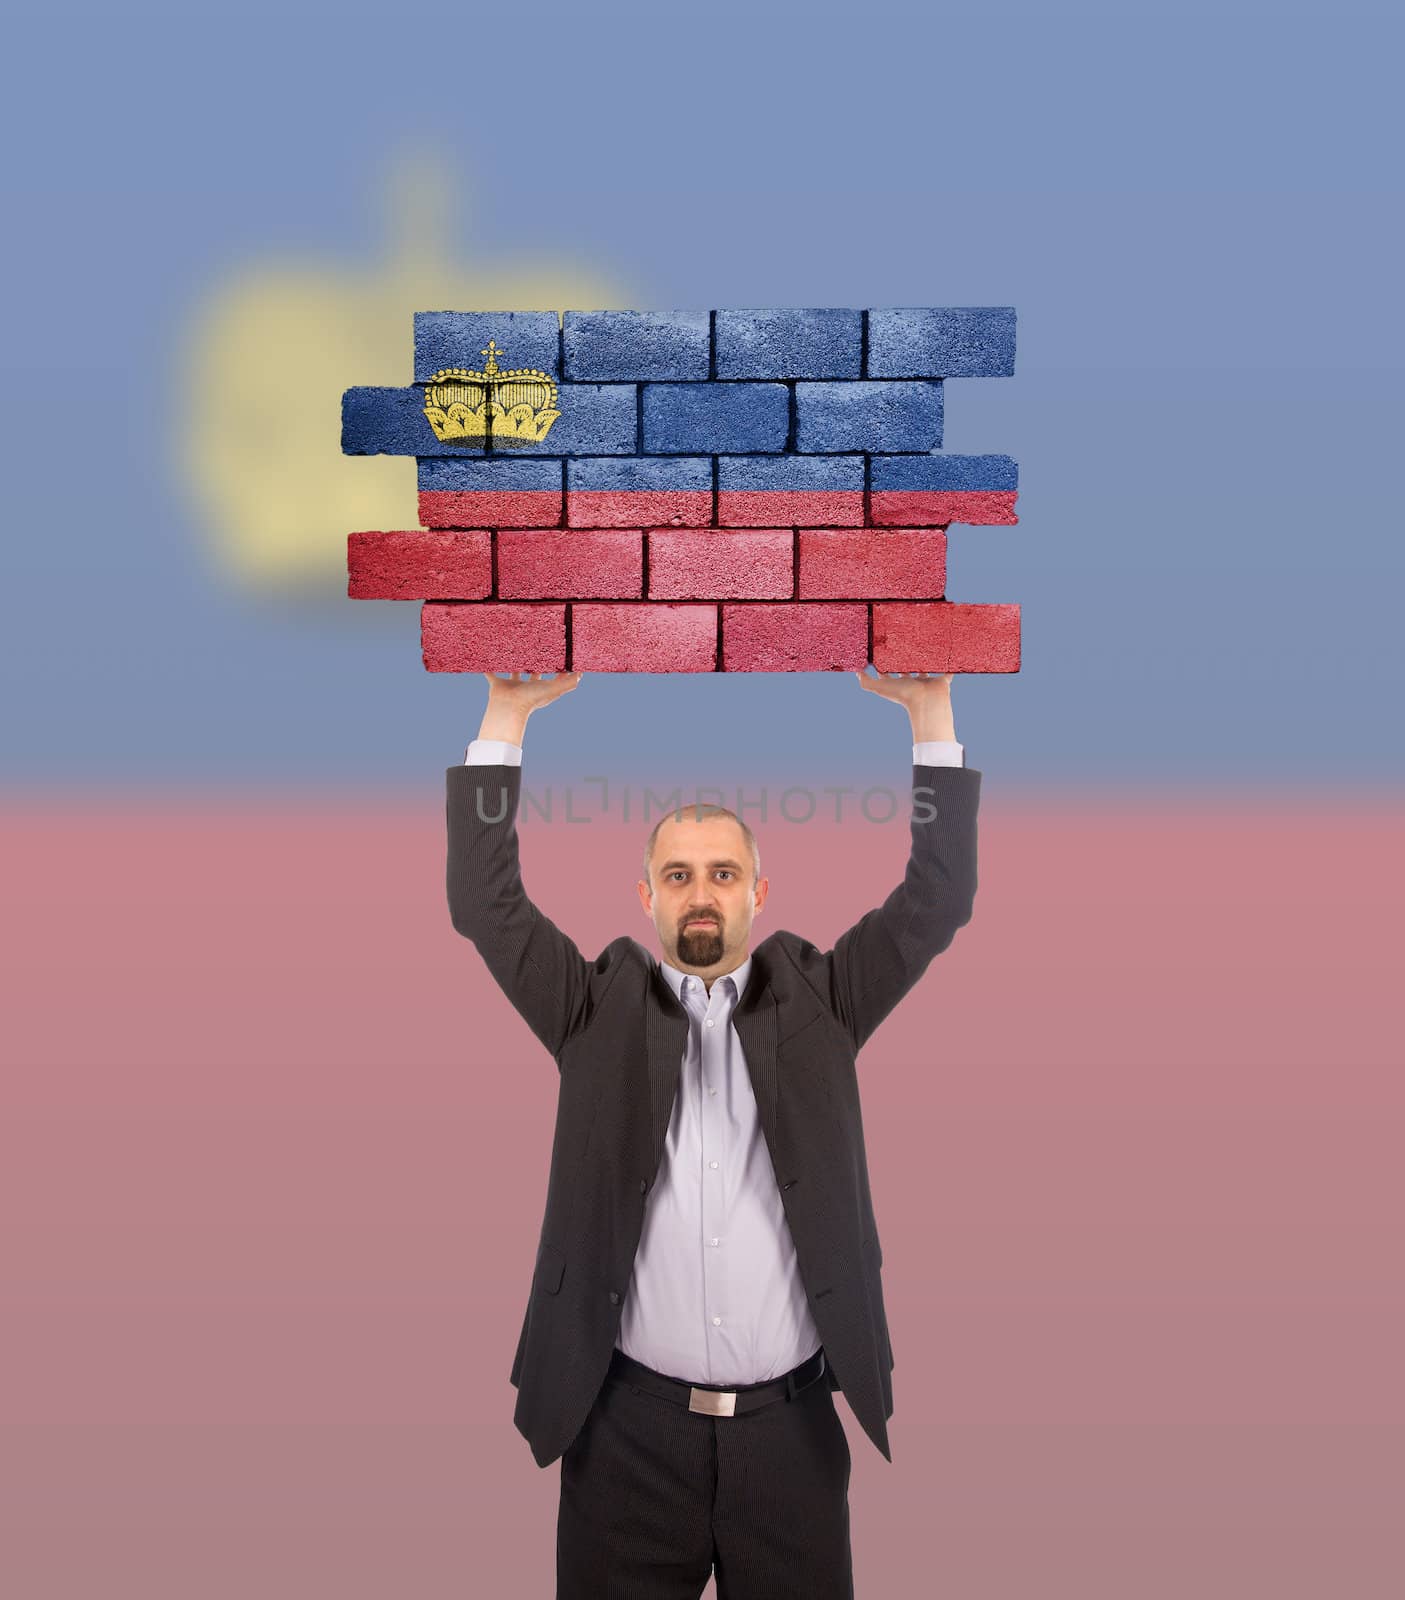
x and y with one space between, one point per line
1195 211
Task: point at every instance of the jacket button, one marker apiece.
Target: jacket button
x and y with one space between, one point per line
614 1297
643 1186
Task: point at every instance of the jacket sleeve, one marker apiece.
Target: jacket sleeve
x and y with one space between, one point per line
537 966
874 963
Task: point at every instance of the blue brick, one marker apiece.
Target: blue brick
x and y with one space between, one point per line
707 418
942 342
596 419
638 472
497 472
790 472
944 472
867 416
392 422
634 346
459 338
789 343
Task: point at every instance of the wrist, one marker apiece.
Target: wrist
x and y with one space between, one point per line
500 724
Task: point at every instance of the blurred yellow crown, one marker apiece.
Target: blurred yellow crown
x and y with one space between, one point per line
521 402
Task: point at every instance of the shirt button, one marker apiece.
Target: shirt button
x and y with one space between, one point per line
709 1022
712 1091
717 1322
712 1163
714 1241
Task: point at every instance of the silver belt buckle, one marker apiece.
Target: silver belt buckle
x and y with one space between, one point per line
713 1402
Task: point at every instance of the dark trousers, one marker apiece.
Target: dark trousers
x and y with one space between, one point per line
654 1496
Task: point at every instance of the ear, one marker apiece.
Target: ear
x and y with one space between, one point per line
645 898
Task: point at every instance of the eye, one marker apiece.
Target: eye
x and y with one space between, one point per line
726 870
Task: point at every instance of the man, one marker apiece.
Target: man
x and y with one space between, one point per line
708 1269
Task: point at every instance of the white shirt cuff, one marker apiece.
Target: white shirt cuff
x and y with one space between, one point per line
493 752
938 753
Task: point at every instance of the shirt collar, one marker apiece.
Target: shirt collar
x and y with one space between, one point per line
738 975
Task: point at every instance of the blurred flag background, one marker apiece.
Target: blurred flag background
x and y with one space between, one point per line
274 1149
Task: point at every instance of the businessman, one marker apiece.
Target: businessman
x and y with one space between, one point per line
708 1265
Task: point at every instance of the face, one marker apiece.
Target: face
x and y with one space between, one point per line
703 898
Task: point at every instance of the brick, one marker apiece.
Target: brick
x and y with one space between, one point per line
643 638
865 563
419 565
933 490
548 563
789 343
459 339
497 472
940 509
391 422
633 346
794 637
938 470
639 491
942 637
985 638
487 636
721 563
511 508
708 418
868 416
790 491
941 342
498 492
596 419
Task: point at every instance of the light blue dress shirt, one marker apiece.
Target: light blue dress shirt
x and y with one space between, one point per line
715 1295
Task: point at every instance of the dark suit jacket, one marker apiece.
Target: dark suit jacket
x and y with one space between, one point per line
618 1034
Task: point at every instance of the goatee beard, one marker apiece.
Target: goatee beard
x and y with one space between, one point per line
700 946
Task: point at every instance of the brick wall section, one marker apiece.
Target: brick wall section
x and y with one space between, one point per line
759 490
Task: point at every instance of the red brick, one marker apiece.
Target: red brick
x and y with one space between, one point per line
985 638
862 563
931 508
721 563
794 637
415 564
569 564
797 508
490 508
643 638
635 508
489 637
942 637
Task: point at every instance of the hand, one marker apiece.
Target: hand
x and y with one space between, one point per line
524 691
512 699
927 696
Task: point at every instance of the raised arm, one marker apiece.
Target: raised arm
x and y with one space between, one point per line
877 961
535 964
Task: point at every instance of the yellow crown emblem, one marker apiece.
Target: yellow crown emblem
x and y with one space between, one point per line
521 402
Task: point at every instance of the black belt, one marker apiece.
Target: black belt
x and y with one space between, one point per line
710 1398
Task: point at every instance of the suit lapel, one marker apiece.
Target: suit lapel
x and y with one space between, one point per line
755 1021
666 1037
